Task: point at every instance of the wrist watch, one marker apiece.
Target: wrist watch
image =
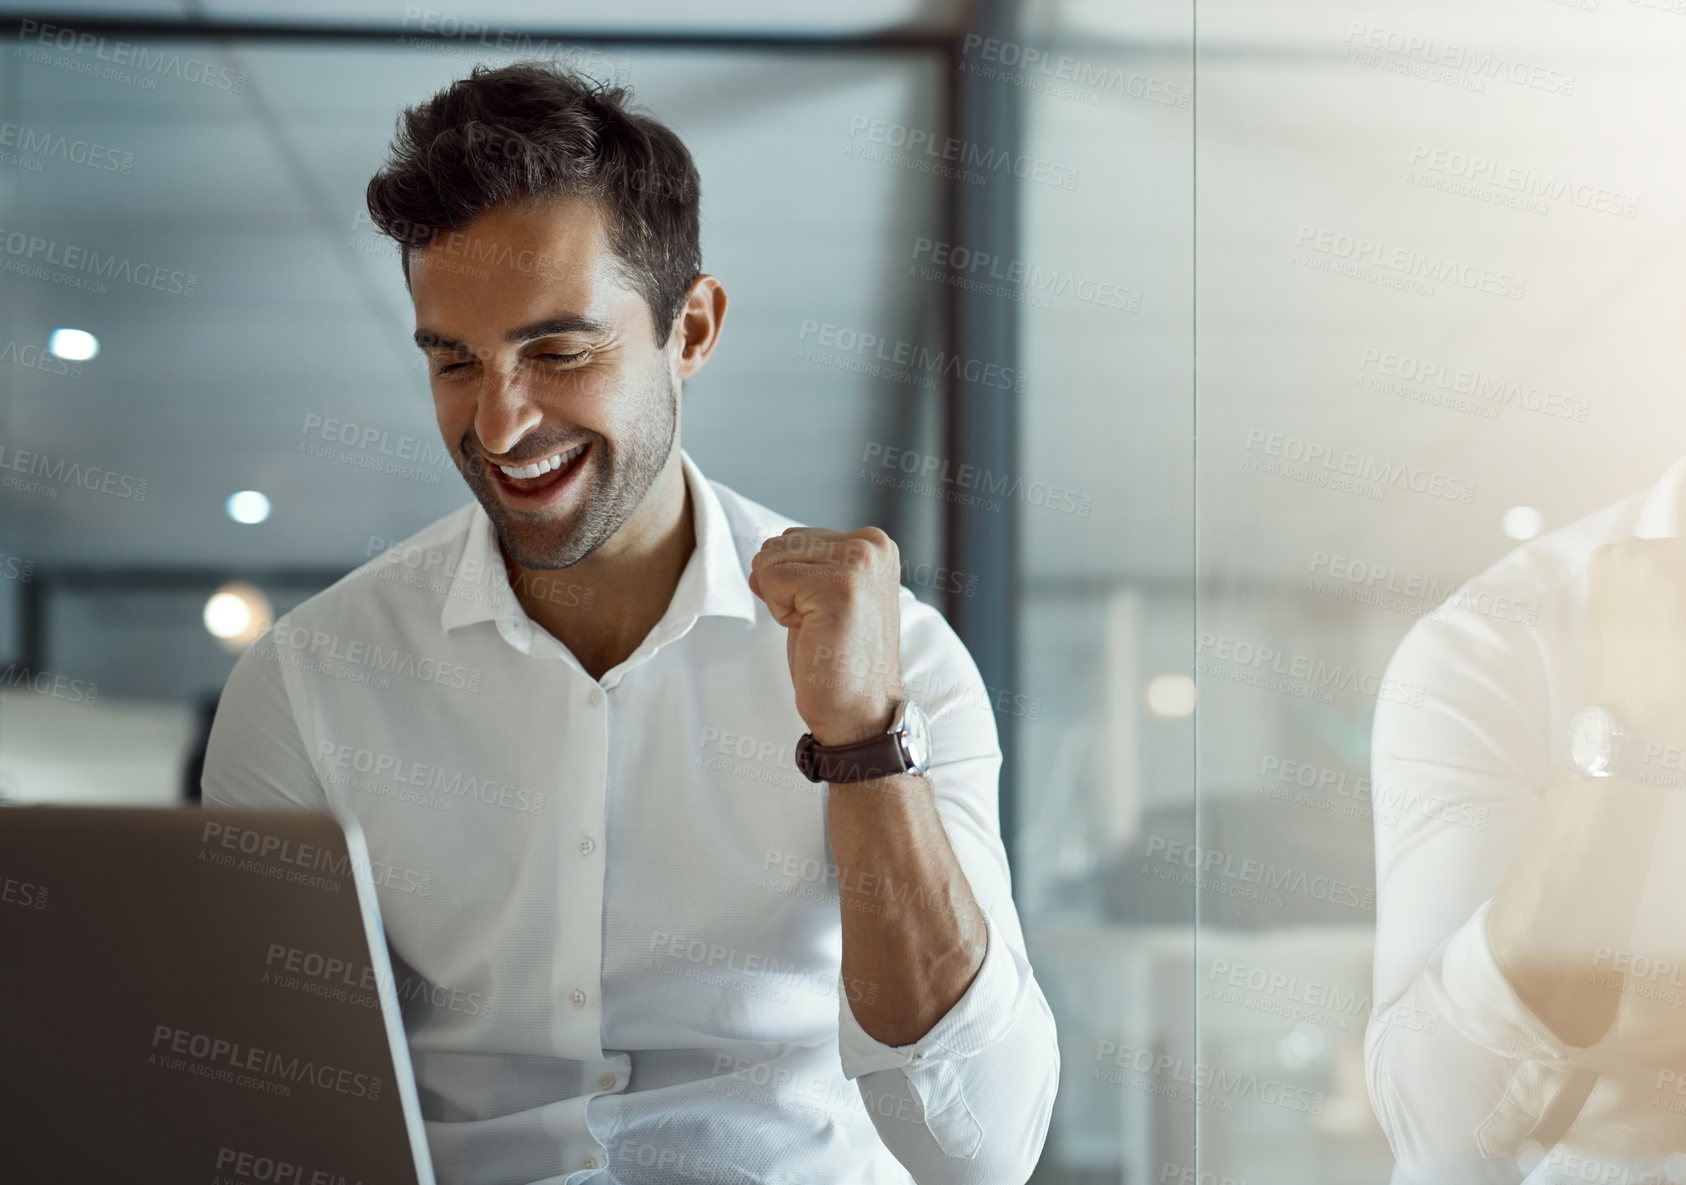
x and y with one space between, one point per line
1600 748
904 749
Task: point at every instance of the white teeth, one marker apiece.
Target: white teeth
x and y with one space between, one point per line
540 468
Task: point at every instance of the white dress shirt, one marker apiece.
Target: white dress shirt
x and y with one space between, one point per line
612 900
1468 1083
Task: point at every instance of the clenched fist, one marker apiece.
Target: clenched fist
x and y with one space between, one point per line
838 595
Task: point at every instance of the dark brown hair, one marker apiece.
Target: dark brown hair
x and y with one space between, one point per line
534 130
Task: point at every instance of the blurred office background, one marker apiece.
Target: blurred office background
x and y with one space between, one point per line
1176 275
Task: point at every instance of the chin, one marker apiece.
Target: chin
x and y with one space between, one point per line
540 546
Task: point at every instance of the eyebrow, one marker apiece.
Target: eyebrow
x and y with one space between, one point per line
549 327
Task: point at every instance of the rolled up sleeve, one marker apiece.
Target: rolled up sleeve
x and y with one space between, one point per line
1462 1074
981 1083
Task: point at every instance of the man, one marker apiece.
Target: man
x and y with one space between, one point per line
567 718
1530 968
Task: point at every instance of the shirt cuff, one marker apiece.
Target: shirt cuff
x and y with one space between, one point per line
934 1065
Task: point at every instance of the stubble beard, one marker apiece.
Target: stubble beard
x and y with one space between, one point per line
619 479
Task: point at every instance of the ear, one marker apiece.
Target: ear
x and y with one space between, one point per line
697 328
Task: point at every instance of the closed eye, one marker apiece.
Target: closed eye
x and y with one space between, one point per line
549 359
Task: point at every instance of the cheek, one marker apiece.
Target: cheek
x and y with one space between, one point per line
591 390
594 398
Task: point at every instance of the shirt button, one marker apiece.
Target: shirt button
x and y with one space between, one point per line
607 1082
588 1162
576 998
594 697
587 846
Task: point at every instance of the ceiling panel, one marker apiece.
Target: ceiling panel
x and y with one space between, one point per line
484 21
298 312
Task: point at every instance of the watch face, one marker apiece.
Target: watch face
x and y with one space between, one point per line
1592 740
916 736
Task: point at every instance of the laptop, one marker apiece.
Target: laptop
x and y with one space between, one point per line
198 995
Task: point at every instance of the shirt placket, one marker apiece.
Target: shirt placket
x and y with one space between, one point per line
578 962
580 887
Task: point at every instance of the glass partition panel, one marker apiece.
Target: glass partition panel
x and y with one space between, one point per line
1438 330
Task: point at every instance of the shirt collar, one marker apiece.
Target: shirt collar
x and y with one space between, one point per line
1659 516
714 583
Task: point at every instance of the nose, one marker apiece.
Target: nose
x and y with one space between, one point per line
503 413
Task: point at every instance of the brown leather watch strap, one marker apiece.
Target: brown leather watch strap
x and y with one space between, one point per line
876 757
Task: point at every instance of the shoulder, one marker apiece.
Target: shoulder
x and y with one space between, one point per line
1554 562
394 596
398 574
1492 660
1527 598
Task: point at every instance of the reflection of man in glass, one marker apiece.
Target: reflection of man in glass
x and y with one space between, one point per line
1530 876
567 718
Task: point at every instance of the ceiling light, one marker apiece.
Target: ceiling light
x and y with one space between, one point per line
248 506
73 345
1171 696
237 615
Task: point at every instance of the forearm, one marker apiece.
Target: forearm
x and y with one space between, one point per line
913 934
1575 887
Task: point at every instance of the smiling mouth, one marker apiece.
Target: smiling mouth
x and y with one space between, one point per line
535 477
542 466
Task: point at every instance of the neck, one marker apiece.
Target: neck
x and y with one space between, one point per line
605 605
